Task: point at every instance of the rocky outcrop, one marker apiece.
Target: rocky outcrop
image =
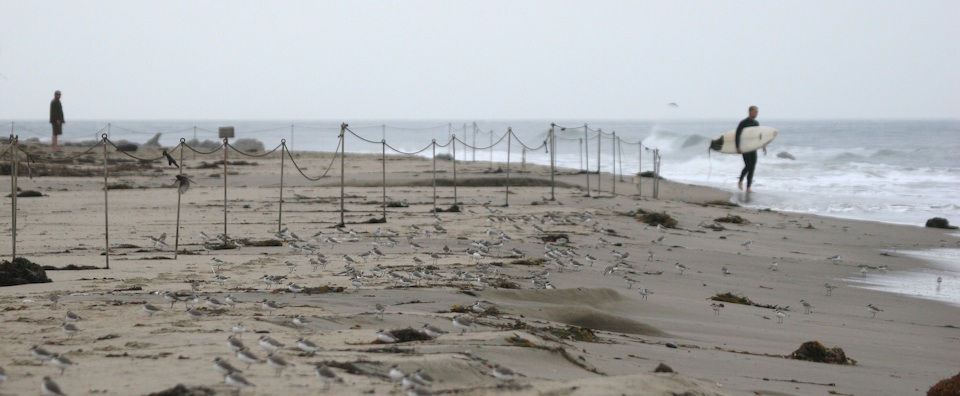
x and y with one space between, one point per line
21 271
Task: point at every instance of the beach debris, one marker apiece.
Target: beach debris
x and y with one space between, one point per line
663 368
814 351
946 387
784 154
21 271
729 218
940 222
656 219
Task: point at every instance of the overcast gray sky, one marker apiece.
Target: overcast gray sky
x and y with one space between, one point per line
351 60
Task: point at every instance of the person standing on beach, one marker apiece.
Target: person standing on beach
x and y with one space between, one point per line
56 119
750 158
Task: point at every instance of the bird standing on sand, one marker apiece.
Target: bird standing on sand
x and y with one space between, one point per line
780 315
829 288
680 268
873 310
716 308
806 306
50 388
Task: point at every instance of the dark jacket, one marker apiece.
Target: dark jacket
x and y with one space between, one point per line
56 111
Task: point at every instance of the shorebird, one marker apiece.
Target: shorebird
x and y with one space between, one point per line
873 310
236 380
70 329
939 281
269 305
223 366
716 308
433 331
61 362
244 355
423 377
54 298
386 337
327 375
194 314
71 317
172 298
277 363
724 270
150 309
270 344
294 288
863 271
747 244
780 315
50 388
829 288
774 266
234 343
40 353
463 322
395 373
213 303
380 310
307 346
300 320
806 306
231 300
650 255
680 268
836 258
644 292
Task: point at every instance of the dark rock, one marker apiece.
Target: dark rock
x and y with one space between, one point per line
21 271
814 351
663 368
940 222
671 345
784 154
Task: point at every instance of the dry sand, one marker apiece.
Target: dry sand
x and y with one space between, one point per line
120 350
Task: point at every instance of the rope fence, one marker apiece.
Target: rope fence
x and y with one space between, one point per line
32 156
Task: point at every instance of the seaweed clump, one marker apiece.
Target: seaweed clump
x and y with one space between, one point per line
657 218
946 387
575 333
729 218
814 351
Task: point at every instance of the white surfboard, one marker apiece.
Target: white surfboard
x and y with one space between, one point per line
751 139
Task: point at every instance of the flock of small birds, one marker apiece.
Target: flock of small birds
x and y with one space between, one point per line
505 238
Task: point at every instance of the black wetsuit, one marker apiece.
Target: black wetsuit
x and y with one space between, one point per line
749 159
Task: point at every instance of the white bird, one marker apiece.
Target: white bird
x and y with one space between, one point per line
873 310
386 337
863 271
836 258
270 344
503 373
644 292
806 306
463 322
433 331
680 268
395 373
747 244
716 308
150 309
780 315
327 375
380 310
774 267
278 364
307 346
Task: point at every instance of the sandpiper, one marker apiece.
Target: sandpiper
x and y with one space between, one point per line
238 329
327 375
172 298
194 314
54 298
463 322
150 309
71 317
300 320
41 353
244 355
386 337
70 329
236 380
235 343
423 377
433 331
644 292
223 366
780 315
716 308
50 388
806 306
270 344
61 362
269 305
213 303
231 300
380 310
278 364
873 310
680 268
307 346
294 288
829 288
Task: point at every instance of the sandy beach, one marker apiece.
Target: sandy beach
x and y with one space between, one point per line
565 324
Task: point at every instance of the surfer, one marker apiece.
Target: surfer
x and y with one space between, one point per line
750 158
